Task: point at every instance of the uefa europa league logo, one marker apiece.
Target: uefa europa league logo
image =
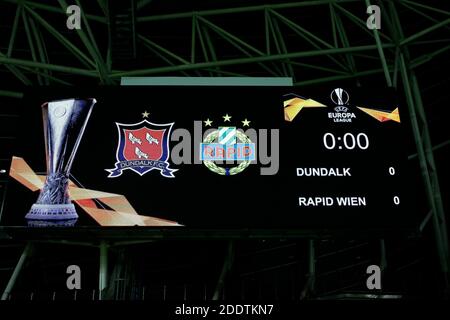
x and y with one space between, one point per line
64 124
340 97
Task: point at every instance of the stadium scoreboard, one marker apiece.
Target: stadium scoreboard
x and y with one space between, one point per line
209 157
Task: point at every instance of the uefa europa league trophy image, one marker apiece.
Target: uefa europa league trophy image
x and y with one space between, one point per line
64 124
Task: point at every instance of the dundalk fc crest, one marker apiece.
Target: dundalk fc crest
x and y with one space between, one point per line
143 147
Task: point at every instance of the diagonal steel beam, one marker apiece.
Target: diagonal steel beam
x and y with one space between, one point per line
103 270
14 70
344 40
316 67
50 8
11 94
227 264
161 52
88 28
103 4
193 38
384 64
271 33
209 43
45 66
239 61
295 26
235 10
424 147
360 23
333 25
436 147
44 74
30 42
40 48
90 44
443 256
428 56
63 40
14 30
423 6
281 47
202 41
239 44
142 3
308 36
421 13
338 77
424 32
25 254
167 52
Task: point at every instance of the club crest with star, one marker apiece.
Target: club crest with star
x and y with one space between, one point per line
143 147
227 143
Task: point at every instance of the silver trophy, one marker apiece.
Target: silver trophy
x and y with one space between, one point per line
64 124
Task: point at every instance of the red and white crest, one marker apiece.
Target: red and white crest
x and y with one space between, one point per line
143 143
142 147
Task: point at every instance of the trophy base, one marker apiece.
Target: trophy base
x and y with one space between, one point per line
52 212
51 223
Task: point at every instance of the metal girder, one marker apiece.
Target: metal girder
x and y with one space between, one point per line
90 44
10 62
436 147
15 71
422 139
235 10
381 53
14 30
25 254
11 94
53 9
424 32
239 44
430 177
240 61
344 40
103 270
310 285
275 59
227 264
426 7
78 54
423 144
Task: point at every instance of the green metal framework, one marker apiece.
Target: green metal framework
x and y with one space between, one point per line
206 38
278 43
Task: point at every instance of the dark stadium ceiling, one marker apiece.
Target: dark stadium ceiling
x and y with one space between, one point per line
312 41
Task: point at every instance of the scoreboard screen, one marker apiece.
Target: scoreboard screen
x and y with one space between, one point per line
209 157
